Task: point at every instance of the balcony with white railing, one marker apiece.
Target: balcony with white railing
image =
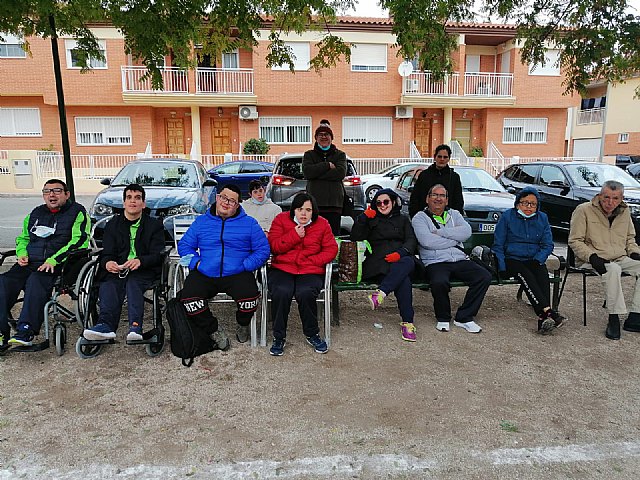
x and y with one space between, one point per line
590 116
423 83
135 79
488 84
235 81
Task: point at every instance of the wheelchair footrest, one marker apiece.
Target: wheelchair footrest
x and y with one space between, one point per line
36 347
144 341
107 341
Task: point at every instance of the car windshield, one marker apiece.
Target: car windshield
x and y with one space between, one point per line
158 174
292 167
478 181
594 175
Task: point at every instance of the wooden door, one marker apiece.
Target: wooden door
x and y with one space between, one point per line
175 135
423 137
220 136
463 134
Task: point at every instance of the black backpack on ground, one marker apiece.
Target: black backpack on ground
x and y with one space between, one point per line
187 339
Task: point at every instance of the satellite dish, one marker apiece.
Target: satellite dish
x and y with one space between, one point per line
405 69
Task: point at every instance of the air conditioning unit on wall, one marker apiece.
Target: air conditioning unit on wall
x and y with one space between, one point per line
248 112
402 111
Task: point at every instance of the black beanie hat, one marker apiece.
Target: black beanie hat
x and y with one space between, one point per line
324 128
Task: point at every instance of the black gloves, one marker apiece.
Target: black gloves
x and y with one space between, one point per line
598 264
635 256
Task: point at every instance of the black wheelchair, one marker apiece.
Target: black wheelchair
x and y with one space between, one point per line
153 340
56 310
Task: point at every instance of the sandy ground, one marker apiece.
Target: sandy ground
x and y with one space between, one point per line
506 403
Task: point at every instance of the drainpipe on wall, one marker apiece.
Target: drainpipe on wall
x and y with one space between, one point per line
446 125
604 122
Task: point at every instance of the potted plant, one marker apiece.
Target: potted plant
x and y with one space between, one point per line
256 146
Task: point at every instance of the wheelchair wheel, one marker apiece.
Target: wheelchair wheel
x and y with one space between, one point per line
86 350
155 349
179 275
60 338
85 292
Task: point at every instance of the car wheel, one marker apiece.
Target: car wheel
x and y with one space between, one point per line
371 192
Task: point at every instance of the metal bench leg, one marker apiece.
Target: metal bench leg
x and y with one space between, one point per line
555 299
254 333
584 299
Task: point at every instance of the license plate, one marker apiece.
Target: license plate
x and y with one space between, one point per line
487 227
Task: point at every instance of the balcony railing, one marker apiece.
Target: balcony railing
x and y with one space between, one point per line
488 84
174 79
422 83
223 80
590 115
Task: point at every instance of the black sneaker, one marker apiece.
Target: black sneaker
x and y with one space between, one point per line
319 345
277 349
545 325
558 319
22 339
243 333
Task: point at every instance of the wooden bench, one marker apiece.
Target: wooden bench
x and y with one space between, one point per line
555 265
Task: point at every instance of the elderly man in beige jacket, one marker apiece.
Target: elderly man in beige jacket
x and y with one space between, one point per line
603 235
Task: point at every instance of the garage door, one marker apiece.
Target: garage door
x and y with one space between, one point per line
586 147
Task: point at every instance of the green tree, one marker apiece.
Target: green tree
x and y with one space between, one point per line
255 146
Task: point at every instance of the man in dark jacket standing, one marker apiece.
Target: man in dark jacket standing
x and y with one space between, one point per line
223 248
325 167
438 173
130 262
49 233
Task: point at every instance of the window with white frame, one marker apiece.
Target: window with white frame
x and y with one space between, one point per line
231 59
551 67
369 57
285 129
300 54
72 55
11 46
20 122
524 130
103 130
623 138
367 130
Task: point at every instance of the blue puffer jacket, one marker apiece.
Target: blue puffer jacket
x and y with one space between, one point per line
225 247
520 238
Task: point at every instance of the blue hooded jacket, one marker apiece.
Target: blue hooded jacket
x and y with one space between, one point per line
520 238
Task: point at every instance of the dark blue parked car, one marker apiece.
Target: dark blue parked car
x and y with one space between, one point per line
241 173
173 187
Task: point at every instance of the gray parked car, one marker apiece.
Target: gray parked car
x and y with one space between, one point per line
287 180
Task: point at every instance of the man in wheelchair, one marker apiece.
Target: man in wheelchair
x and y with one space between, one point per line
49 233
130 262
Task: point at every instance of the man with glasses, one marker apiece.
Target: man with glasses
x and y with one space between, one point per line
222 249
439 172
130 262
441 232
602 234
49 233
259 206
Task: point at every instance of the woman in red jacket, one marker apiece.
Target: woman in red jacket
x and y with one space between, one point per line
302 244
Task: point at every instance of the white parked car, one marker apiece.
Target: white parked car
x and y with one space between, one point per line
386 178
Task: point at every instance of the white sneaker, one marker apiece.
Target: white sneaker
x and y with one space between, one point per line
471 327
98 334
443 326
134 337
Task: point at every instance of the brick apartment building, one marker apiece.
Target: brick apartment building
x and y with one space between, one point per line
374 111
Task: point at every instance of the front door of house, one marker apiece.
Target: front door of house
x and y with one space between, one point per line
423 137
463 134
175 135
221 136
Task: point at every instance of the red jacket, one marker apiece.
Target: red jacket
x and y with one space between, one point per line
299 256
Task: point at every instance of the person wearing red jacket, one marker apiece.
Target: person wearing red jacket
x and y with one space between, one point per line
302 244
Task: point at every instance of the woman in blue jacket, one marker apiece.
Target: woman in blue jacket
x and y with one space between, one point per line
522 244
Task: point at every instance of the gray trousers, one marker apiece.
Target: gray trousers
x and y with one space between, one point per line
612 284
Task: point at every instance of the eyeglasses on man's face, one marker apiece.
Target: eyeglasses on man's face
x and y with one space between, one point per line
529 204
386 201
56 190
227 200
443 157
438 195
324 135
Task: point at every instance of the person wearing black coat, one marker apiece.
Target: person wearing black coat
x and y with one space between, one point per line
130 262
391 260
438 173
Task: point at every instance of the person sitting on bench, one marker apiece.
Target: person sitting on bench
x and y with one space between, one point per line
130 262
391 262
440 232
522 243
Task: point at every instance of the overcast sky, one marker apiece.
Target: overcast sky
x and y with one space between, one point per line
370 8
